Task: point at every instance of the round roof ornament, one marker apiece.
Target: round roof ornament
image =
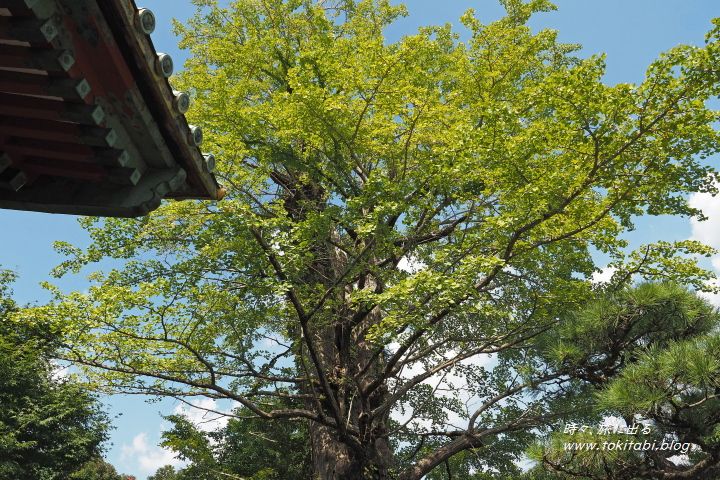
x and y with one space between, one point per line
210 162
195 137
145 21
164 65
181 102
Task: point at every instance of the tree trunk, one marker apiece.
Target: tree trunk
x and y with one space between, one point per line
364 452
338 361
334 460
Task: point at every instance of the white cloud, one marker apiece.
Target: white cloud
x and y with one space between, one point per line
713 298
146 457
440 382
409 265
708 232
603 276
205 413
60 371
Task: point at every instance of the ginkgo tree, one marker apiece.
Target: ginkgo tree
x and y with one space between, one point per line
402 221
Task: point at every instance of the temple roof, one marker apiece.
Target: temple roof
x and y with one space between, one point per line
89 124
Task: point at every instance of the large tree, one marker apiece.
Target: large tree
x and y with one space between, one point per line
402 222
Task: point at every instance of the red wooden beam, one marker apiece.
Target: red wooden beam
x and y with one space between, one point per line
73 152
57 131
44 85
81 171
32 30
50 109
47 59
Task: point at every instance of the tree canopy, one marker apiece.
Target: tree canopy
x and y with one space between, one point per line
648 356
251 449
404 222
49 426
98 469
166 472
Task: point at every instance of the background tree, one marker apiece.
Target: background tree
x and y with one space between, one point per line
98 469
247 448
49 425
402 221
651 356
164 473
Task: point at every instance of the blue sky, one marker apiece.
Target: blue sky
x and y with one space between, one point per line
631 32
